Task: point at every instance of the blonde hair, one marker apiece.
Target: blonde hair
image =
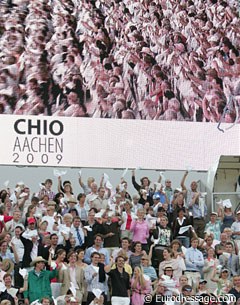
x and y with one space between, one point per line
90 180
140 280
67 216
141 211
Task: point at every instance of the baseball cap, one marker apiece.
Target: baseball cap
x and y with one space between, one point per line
214 213
31 220
187 288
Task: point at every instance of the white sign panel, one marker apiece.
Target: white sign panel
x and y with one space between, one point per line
108 143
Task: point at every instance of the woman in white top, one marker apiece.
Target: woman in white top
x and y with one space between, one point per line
170 261
127 218
209 269
59 262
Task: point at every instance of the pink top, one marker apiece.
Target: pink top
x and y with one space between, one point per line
140 231
139 292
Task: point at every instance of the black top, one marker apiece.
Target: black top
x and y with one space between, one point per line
235 293
96 228
6 296
177 226
111 241
120 283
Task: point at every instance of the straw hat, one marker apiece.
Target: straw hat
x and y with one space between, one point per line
38 259
7 265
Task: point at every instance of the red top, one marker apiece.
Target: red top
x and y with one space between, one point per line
6 218
129 221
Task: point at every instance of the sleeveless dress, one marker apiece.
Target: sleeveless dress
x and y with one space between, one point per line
227 221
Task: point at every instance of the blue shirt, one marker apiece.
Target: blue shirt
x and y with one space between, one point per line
89 251
194 259
197 211
93 282
150 271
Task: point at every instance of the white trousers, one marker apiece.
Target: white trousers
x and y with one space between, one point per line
120 301
193 279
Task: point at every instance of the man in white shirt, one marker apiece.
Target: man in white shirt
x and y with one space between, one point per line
12 224
16 241
49 218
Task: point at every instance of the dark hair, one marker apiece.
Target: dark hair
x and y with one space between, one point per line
74 210
67 181
80 250
80 196
187 288
119 256
35 199
48 181
53 234
134 245
93 209
57 196
95 253
7 275
4 196
168 267
47 298
181 210
145 178
169 94
19 227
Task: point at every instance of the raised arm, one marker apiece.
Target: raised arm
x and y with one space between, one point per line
135 184
81 182
59 184
183 186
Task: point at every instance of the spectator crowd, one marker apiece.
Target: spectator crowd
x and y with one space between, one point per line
107 246
146 59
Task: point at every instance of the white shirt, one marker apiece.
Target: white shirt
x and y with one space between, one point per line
73 276
50 220
19 247
74 233
34 252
